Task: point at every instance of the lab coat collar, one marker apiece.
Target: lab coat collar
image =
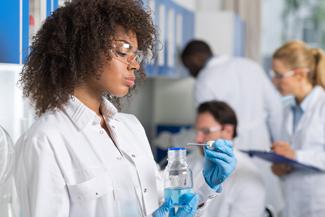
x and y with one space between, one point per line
216 60
107 108
309 99
307 106
81 115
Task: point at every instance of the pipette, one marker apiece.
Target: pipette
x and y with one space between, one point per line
208 144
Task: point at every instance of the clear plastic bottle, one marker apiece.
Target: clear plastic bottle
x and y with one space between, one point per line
177 175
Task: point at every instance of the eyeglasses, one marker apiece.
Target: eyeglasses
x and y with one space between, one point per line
208 130
279 76
125 52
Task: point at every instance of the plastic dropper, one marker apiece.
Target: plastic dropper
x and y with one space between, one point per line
208 144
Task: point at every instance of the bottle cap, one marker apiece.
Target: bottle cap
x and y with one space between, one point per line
176 148
176 153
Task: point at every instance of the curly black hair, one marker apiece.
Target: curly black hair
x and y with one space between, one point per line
68 48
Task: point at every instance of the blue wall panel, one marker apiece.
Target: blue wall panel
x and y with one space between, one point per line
165 70
9 34
240 32
25 31
11 31
14 25
51 5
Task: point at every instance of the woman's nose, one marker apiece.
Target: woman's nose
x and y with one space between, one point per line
134 65
199 137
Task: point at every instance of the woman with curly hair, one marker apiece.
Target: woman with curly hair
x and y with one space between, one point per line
83 158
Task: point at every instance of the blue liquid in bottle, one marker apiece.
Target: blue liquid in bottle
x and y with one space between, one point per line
175 194
177 177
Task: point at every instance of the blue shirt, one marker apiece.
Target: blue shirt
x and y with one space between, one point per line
299 109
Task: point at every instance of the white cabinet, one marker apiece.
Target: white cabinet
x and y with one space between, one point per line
224 31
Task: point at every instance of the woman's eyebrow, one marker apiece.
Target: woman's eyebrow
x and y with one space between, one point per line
123 40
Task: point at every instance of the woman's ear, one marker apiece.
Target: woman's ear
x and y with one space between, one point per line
228 131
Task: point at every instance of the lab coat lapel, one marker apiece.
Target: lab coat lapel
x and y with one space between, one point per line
298 133
129 145
124 142
288 127
309 110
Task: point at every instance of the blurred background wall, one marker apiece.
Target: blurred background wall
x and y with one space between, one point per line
250 28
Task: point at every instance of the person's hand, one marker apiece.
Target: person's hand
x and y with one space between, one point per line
284 149
163 210
188 203
281 169
219 162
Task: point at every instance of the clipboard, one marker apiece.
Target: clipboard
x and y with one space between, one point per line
275 158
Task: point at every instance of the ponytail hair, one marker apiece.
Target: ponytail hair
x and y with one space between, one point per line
297 54
319 56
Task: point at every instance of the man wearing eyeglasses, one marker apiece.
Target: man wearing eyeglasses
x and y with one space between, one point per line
244 192
242 84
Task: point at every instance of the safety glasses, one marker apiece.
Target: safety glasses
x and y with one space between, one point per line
279 76
208 130
124 52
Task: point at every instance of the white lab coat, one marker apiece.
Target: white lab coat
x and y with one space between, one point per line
245 87
243 193
67 166
304 191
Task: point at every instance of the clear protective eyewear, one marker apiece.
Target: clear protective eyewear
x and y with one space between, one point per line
208 130
279 76
124 52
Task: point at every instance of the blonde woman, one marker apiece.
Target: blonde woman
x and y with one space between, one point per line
300 71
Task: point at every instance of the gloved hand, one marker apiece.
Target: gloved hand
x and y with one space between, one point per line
163 210
219 162
188 206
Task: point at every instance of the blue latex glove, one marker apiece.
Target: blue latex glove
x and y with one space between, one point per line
219 162
163 210
188 206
